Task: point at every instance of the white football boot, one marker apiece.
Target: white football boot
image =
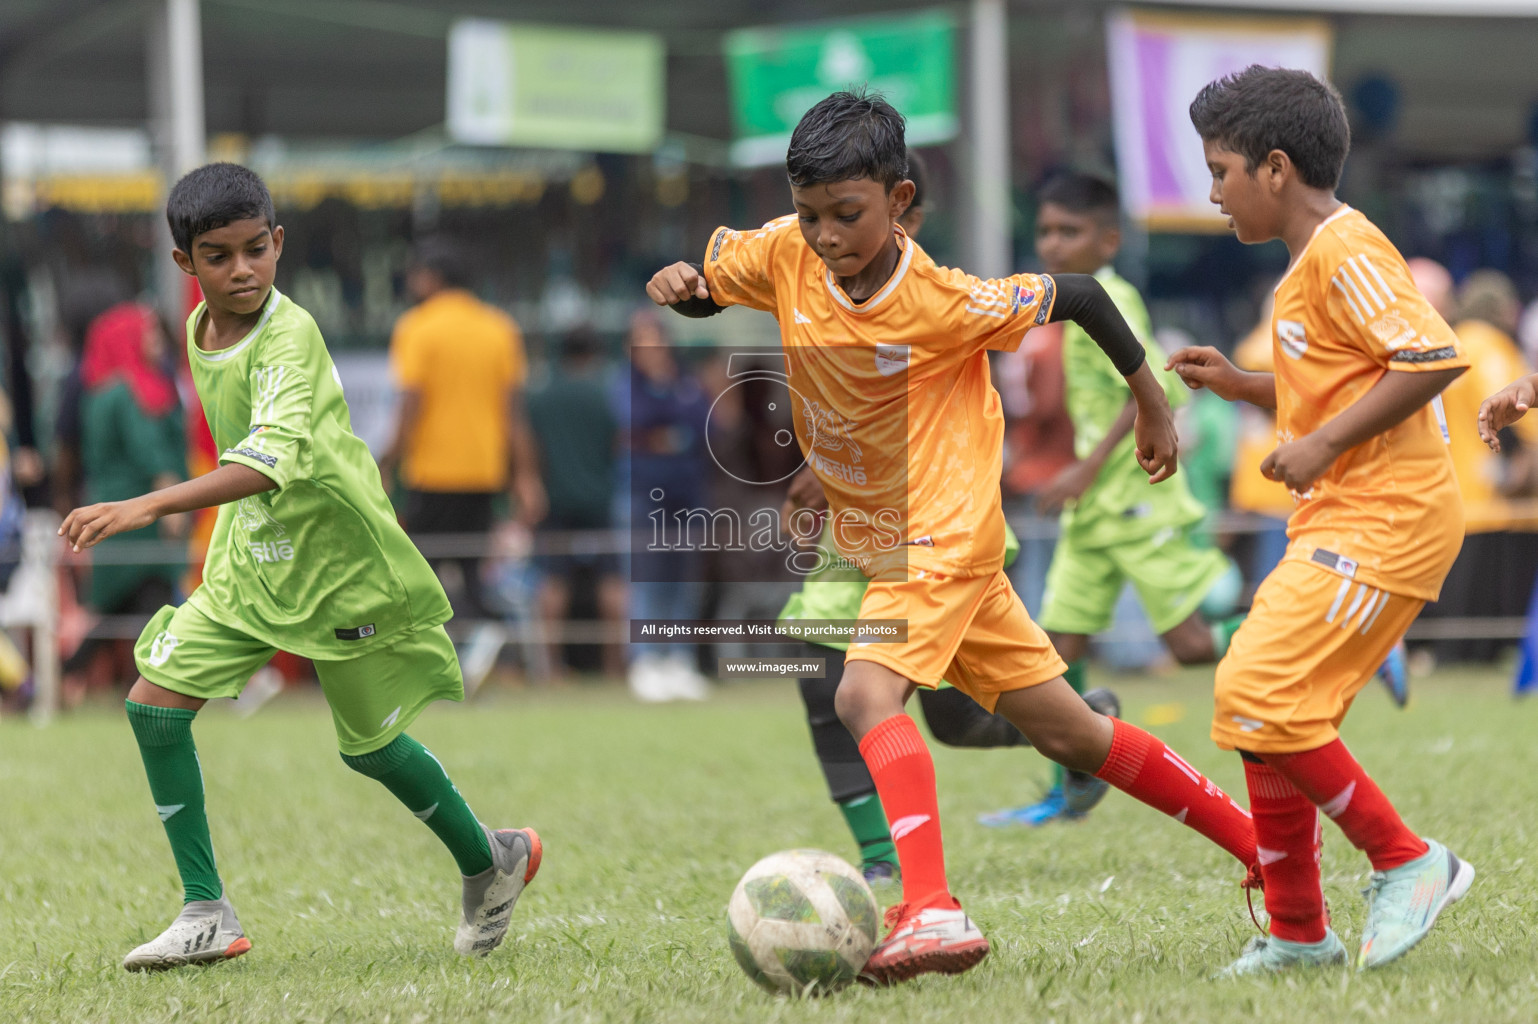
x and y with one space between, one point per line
932 940
206 931
489 897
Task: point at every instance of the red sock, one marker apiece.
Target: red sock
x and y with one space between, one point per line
904 773
1287 838
1142 766
1337 784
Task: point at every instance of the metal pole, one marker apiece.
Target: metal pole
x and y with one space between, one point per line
991 217
174 59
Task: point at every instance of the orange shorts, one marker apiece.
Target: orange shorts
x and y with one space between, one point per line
973 633
1312 640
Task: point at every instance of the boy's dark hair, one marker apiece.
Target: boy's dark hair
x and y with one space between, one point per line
215 195
918 173
1254 111
849 135
444 258
1078 192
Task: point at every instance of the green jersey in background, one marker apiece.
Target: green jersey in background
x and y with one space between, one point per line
320 566
1120 505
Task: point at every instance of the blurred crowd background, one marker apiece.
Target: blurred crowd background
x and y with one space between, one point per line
486 262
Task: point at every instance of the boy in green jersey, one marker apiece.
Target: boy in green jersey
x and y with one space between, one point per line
306 556
1114 527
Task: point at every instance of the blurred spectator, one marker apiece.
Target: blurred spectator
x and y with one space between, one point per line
1494 571
131 442
88 292
665 445
576 434
461 435
13 667
1248 490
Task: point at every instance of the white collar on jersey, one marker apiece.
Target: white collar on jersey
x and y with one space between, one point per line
886 289
218 357
1344 209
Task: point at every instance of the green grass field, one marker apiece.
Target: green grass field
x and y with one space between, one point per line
649 816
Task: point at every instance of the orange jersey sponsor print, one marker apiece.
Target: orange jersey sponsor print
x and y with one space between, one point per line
896 412
1387 513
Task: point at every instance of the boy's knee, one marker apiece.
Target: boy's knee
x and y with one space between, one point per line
376 764
1192 652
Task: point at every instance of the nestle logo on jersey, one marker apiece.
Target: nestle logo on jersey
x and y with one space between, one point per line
273 551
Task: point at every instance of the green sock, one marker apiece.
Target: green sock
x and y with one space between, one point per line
176 785
413 774
1223 633
868 823
1076 674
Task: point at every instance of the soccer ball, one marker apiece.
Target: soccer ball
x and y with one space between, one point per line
802 921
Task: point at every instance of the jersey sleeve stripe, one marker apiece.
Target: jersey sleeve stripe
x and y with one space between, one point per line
1347 295
988 312
1355 289
1379 278
1374 299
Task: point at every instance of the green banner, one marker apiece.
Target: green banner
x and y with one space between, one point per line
777 74
525 85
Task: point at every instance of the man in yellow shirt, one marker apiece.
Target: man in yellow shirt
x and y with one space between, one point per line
461 437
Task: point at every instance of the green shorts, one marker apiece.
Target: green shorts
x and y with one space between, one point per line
1172 576
373 697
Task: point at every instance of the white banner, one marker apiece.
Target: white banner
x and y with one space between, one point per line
1158 63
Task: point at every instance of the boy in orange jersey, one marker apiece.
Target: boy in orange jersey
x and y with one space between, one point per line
887 359
1361 360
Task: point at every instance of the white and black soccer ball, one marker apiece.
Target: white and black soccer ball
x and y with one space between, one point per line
802 922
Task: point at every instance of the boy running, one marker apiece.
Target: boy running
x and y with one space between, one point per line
306 556
887 354
1361 360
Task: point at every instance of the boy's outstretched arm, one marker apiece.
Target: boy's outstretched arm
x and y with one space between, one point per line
91 524
1505 407
1081 298
682 286
1202 366
1387 403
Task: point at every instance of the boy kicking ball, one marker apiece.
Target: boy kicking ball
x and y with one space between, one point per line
887 354
1361 360
306 556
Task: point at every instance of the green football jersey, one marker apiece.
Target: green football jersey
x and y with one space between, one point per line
1120 505
319 566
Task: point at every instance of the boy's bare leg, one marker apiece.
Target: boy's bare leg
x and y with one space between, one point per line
1060 725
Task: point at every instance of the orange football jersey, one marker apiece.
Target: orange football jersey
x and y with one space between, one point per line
1387 512
895 409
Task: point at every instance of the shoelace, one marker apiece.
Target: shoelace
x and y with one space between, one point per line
1253 881
1377 884
895 913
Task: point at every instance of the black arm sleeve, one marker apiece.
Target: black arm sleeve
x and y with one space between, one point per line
698 308
1081 299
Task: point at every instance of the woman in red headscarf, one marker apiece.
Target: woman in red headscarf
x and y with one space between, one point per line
131 442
